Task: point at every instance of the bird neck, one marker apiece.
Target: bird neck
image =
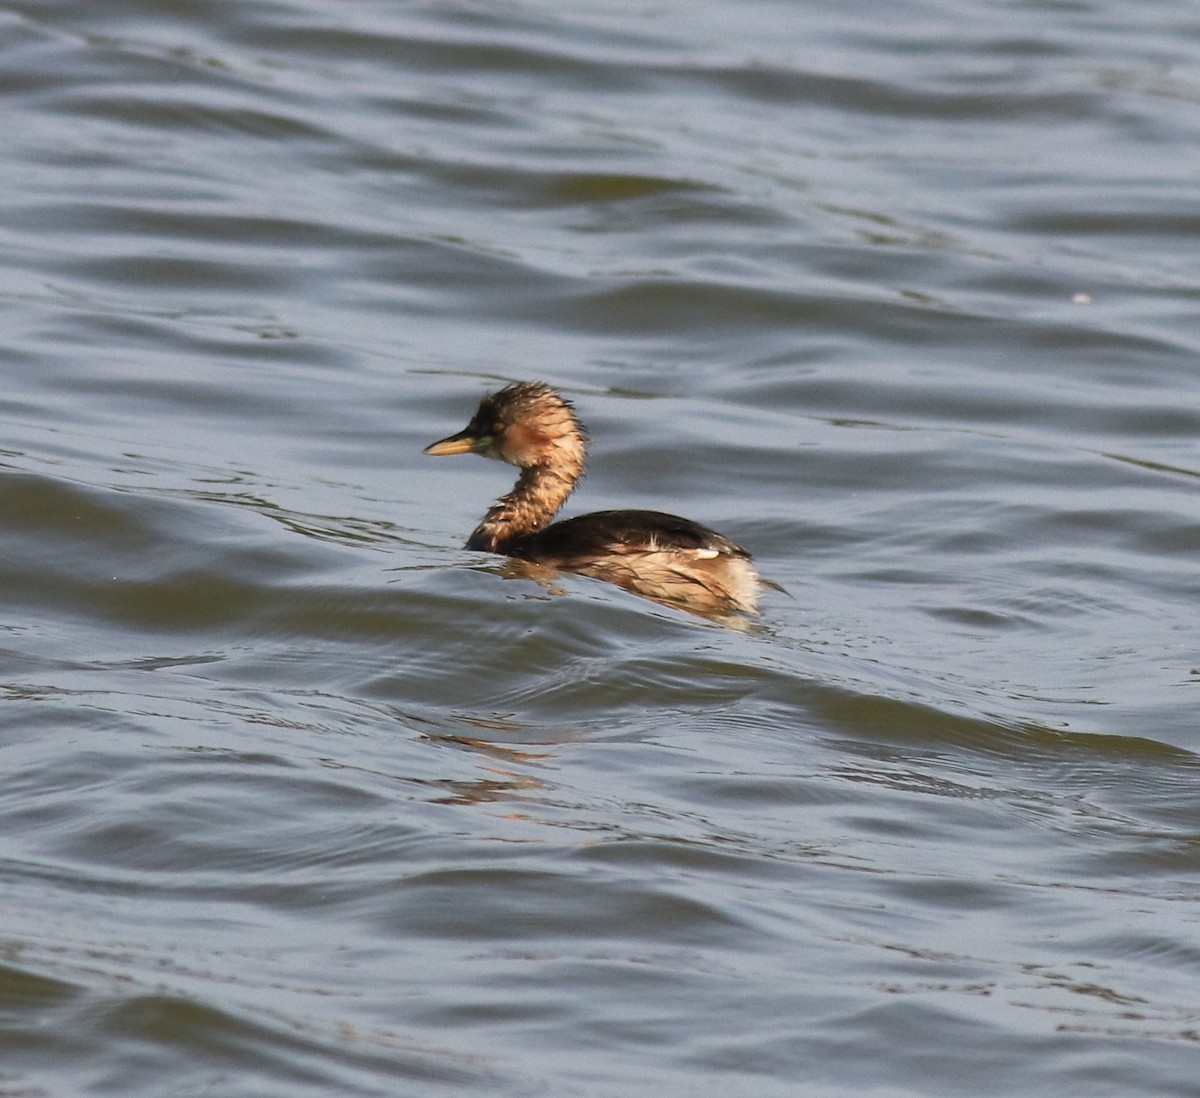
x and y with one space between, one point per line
535 499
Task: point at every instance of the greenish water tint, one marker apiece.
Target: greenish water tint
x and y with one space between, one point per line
300 798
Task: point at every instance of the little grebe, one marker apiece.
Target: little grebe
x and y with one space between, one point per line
662 557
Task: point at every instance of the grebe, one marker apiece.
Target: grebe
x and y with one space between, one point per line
662 557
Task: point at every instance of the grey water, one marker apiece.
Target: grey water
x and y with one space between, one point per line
300 798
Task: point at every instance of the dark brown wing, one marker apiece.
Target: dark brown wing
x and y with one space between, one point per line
575 541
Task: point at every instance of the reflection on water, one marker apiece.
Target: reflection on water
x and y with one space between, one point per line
301 797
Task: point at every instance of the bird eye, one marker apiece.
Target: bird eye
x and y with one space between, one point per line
498 427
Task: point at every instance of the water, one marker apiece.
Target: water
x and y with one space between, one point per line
301 799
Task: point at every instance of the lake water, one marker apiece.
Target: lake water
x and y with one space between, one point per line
299 798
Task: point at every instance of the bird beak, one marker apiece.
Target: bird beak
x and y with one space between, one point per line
462 443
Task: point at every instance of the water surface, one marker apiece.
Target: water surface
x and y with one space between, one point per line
301 798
